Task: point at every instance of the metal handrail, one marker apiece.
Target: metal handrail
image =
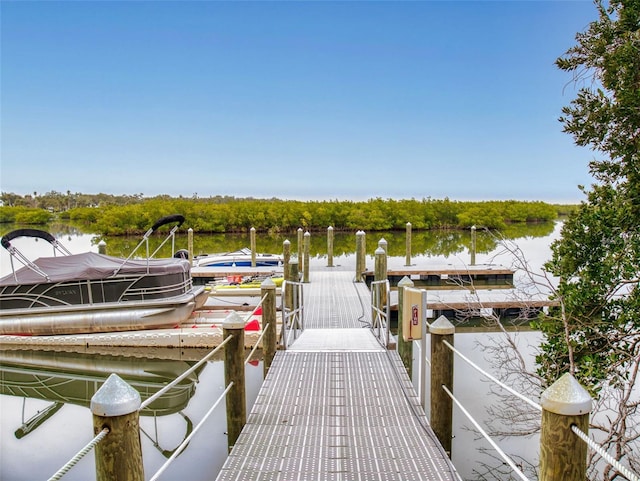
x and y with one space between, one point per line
381 311
292 316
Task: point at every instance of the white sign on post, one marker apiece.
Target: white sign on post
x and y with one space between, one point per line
414 313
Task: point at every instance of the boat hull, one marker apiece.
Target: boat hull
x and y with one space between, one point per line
105 317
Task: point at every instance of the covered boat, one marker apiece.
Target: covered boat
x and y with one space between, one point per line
239 258
90 292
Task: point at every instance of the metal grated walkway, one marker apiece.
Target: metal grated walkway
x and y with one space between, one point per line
337 406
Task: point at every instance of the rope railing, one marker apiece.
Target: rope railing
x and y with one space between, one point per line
79 455
255 348
493 378
162 391
186 440
502 454
247 319
623 470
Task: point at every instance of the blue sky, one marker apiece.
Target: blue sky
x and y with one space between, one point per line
296 100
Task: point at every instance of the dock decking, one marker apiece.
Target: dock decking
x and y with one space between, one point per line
336 405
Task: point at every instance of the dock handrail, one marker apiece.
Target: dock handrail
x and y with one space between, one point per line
81 454
292 311
623 470
381 311
186 440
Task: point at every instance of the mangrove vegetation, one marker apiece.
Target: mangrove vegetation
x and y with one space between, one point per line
117 215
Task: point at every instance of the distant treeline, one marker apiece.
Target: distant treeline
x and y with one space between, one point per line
112 215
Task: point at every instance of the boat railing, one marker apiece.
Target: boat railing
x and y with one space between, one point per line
141 293
292 312
24 260
170 219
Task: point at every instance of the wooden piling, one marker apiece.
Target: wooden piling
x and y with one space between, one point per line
300 248
329 246
118 456
407 261
190 245
360 255
268 291
305 263
473 245
252 240
563 455
405 348
286 258
382 243
102 247
234 373
442 375
380 274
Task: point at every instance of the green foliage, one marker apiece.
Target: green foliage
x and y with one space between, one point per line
24 215
273 215
595 334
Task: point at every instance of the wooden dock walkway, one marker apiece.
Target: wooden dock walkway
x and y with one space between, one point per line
336 405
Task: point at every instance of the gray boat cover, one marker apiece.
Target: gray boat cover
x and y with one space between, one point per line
91 266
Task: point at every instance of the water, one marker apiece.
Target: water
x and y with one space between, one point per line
60 436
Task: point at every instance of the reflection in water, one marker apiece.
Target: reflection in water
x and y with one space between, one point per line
73 378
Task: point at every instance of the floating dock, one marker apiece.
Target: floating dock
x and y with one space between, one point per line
337 405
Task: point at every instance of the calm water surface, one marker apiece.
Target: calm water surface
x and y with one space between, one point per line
31 382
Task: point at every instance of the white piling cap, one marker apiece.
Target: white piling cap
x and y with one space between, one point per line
405 282
233 321
115 398
268 284
442 326
567 397
380 251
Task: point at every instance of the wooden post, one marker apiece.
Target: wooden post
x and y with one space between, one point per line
300 242
408 245
286 258
379 274
268 289
234 372
119 455
405 348
329 246
563 456
360 255
252 240
442 375
473 245
190 244
305 262
385 246
102 247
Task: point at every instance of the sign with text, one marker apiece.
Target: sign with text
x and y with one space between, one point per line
414 313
